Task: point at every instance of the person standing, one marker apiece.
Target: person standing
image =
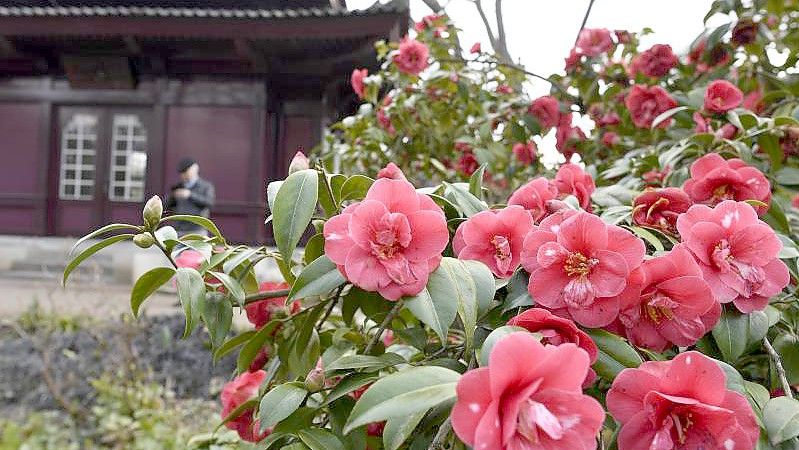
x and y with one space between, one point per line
193 195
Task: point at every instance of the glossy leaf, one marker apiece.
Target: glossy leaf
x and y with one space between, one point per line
295 204
279 403
217 313
735 331
147 284
191 293
781 419
317 278
94 248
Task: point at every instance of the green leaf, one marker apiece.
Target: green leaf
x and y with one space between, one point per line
665 115
735 331
781 418
197 220
90 251
280 402
314 248
239 258
462 287
648 236
217 313
615 354
476 182
356 187
102 230
404 393
232 286
771 145
148 283
434 305
191 292
467 203
305 349
494 337
399 429
485 287
294 206
518 295
319 439
239 410
788 176
349 384
787 345
317 278
232 343
254 345
366 362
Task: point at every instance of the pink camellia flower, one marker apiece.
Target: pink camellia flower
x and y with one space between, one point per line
525 153
655 62
795 201
753 101
546 110
571 179
567 136
736 252
727 131
237 392
646 103
391 171
655 177
533 196
504 89
623 36
671 304
581 266
609 119
659 208
593 41
722 96
572 61
610 139
412 56
190 258
260 360
744 32
467 163
682 404
556 331
260 313
476 48
494 238
528 397
713 180
356 80
390 241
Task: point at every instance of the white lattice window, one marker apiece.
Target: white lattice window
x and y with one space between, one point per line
128 159
78 153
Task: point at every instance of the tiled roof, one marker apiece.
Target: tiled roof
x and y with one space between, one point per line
195 12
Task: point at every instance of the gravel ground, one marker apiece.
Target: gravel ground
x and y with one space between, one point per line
155 343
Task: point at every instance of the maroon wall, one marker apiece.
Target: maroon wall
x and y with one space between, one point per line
220 138
23 182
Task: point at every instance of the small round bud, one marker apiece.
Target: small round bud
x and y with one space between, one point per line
143 240
315 380
152 212
299 162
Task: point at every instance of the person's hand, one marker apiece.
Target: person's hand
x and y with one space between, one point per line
182 193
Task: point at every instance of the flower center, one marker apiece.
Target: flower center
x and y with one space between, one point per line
722 193
535 418
578 264
501 247
682 423
385 244
722 256
657 307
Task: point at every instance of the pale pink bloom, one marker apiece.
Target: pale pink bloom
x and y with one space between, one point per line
610 139
722 96
391 171
659 208
593 41
356 80
475 48
571 179
237 392
529 397
567 136
682 404
714 179
546 110
737 253
555 330
655 62
390 241
494 238
533 196
525 153
579 263
646 103
412 56
670 303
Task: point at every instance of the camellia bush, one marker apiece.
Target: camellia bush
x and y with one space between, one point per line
644 299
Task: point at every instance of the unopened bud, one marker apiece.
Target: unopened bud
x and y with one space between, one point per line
152 212
315 380
299 162
143 240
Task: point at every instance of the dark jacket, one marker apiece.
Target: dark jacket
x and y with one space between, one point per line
199 203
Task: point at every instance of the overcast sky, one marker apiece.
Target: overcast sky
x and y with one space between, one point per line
541 33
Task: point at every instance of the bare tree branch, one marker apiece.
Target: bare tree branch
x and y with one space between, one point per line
502 40
585 19
434 5
479 5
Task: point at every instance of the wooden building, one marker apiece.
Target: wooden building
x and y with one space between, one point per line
99 100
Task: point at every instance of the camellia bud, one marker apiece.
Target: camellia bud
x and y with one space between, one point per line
152 212
143 240
316 378
299 162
